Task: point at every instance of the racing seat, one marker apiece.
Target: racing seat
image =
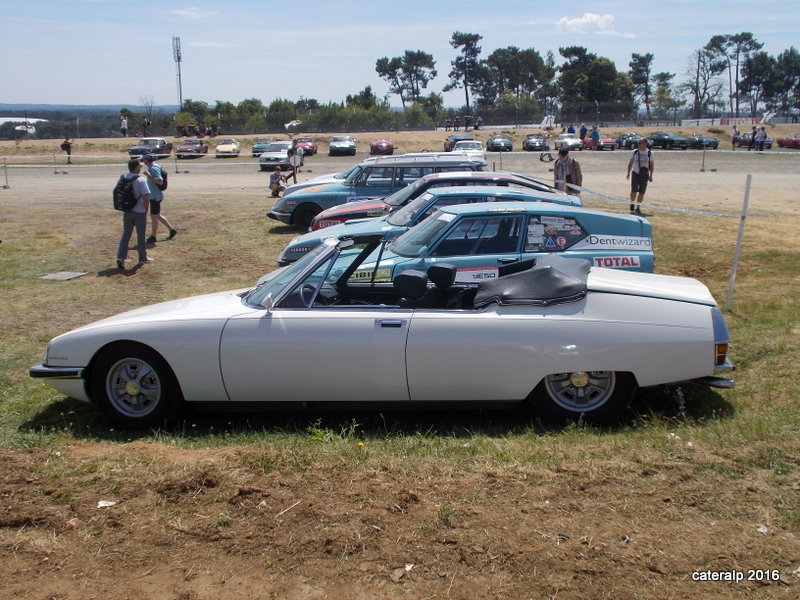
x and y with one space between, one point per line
500 243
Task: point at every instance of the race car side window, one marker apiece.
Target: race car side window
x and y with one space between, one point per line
552 234
483 235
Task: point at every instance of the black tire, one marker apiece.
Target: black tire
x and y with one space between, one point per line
134 387
304 215
601 397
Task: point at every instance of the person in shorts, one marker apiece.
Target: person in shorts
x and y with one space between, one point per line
154 180
641 167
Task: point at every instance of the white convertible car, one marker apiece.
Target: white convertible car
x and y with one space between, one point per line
573 340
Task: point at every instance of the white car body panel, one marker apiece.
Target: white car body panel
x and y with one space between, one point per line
342 354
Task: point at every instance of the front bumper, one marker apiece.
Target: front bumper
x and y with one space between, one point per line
282 217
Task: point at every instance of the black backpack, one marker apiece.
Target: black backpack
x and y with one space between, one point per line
124 198
163 185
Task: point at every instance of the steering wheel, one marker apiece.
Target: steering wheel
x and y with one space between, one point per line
307 293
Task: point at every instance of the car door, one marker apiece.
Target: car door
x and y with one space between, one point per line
312 347
316 355
478 246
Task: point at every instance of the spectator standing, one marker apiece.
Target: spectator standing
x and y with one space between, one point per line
641 166
595 138
583 131
571 128
135 218
295 160
567 170
123 125
795 113
479 122
752 143
735 137
760 137
66 146
545 156
155 178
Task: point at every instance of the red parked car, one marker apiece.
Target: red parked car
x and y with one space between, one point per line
308 145
603 143
790 141
381 146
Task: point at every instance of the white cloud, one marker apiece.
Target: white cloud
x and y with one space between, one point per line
195 13
591 23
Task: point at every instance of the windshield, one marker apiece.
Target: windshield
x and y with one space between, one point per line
400 197
415 239
274 282
410 211
468 146
279 147
340 138
353 175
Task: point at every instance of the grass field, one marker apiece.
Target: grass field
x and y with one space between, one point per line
392 504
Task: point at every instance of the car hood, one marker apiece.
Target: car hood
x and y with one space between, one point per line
216 306
669 287
358 205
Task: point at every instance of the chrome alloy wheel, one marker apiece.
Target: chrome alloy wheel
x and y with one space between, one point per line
581 391
133 387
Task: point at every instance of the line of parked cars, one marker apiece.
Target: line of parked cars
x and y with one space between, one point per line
448 283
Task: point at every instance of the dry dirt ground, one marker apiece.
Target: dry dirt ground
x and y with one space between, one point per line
243 522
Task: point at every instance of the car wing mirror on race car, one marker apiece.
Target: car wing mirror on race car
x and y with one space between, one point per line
268 302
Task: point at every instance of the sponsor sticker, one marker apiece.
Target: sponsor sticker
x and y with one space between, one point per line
476 273
328 223
616 262
621 242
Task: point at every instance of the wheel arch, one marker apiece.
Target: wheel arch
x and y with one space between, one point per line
112 345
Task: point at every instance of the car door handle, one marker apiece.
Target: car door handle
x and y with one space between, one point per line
507 260
396 323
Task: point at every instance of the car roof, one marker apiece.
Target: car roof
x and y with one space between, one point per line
511 207
447 158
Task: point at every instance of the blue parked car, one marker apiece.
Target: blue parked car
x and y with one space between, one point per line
370 180
529 228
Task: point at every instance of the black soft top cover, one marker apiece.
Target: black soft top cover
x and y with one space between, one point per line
549 280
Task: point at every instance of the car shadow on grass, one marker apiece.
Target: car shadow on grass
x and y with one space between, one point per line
698 405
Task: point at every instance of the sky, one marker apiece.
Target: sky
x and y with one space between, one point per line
121 52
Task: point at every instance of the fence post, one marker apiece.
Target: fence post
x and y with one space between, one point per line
742 218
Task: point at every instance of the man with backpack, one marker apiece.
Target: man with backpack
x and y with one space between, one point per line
135 217
156 183
641 165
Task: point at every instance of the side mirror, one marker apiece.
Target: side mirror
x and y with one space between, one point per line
268 302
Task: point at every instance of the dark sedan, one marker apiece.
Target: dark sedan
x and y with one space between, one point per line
191 149
533 141
456 137
157 146
667 140
628 140
703 141
499 143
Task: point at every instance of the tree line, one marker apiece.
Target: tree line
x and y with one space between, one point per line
731 75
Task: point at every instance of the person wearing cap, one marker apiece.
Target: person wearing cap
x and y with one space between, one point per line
567 170
155 178
641 165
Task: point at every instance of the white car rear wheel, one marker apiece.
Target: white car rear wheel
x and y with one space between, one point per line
594 396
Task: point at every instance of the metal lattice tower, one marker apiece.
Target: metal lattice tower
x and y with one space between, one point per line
176 54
